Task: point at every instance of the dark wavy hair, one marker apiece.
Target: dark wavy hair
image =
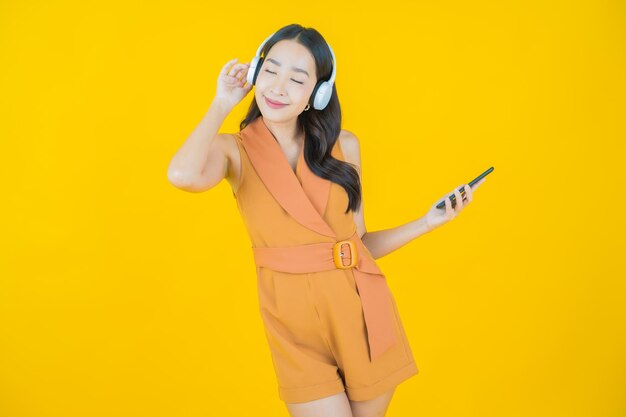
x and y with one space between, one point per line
321 127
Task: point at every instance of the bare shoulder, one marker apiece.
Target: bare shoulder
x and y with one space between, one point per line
350 147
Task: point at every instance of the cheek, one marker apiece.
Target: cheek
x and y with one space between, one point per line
261 82
306 92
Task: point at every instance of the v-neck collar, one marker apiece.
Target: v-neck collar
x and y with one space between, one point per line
302 193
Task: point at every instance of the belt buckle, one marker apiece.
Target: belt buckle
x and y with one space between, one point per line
338 254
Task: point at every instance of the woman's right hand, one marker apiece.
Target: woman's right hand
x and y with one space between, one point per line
232 86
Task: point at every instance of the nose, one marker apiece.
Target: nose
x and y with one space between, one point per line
278 86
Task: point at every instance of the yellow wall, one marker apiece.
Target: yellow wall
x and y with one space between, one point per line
121 295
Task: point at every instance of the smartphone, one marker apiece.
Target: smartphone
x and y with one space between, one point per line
462 190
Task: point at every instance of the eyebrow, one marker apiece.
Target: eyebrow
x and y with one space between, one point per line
293 68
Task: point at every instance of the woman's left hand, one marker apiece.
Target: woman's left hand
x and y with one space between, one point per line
436 217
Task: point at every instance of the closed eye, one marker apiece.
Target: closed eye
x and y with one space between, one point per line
299 82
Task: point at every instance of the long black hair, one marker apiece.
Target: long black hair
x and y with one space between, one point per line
321 127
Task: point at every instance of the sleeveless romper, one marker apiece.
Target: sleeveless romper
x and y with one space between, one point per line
314 322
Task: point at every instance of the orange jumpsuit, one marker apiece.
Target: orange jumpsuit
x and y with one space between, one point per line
329 329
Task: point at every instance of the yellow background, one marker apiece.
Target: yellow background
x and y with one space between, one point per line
121 295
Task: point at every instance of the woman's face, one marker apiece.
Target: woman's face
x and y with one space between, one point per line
287 76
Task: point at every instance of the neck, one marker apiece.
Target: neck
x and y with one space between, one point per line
286 133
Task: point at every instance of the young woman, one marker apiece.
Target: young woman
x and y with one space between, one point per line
335 336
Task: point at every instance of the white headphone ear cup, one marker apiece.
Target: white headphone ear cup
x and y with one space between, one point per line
252 70
322 96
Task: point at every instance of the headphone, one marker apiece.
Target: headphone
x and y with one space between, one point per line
323 89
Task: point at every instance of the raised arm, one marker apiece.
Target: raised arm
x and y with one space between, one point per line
202 160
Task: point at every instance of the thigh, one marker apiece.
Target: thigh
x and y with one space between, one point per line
335 405
305 367
341 312
376 407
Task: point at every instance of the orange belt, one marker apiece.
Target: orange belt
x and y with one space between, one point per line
350 253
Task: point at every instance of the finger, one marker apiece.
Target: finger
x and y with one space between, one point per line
456 197
459 200
239 66
465 193
229 63
224 70
242 71
449 208
234 70
243 81
469 193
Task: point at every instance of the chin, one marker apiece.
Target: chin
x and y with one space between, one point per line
276 119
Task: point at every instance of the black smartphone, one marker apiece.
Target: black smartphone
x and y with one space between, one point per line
462 190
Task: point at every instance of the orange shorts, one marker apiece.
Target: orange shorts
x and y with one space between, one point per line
318 340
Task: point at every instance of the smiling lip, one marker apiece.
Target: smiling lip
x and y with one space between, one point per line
274 104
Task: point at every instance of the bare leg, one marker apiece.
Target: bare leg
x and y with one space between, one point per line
376 407
336 405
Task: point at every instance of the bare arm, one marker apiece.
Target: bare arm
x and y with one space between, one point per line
202 161
382 242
